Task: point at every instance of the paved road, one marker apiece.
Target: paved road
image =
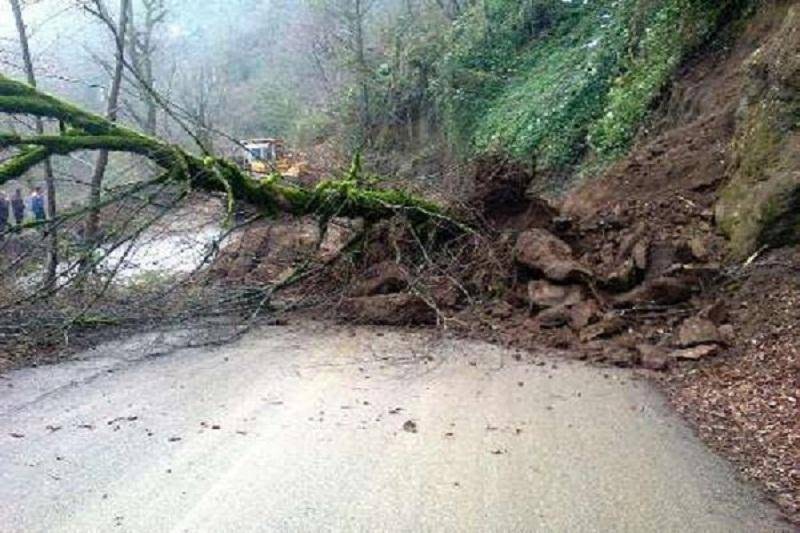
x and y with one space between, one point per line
301 428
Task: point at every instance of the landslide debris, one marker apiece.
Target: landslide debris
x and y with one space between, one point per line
634 268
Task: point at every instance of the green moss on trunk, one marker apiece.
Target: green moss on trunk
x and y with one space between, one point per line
342 198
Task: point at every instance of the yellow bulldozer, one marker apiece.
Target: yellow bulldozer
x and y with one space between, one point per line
268 155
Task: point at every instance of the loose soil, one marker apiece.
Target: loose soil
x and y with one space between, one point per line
628 270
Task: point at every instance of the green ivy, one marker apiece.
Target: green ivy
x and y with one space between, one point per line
674 29
549 81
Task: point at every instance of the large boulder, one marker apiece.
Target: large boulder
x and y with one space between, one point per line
546 254
400 309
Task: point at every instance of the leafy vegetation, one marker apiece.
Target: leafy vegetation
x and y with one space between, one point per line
546 82
584 79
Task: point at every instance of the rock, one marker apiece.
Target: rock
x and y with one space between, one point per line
629 241
388 309
631 263
554 317
410 426
338 235
383 278
695 273
583 314
623 278
640 254
653 357
501 310
446 294
660 291
717 313
542 252
661 257
728 334
544 295
563 224
619 356
608 327
696 331
696 353
698 249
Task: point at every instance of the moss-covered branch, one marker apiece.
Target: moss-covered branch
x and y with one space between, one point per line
87 131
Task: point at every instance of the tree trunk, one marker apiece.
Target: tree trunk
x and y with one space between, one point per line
112 112
361 58
332 198
51 265
141 50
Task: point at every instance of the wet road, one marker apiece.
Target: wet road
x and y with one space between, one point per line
310 428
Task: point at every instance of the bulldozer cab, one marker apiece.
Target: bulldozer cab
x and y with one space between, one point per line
263 156
268 155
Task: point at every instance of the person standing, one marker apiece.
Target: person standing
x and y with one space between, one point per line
37 205
4 211
18 207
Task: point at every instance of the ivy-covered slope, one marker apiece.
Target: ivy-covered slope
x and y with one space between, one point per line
551 82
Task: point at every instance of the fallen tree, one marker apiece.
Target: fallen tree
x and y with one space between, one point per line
81 130
84 298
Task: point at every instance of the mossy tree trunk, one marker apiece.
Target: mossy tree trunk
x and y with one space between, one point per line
86 131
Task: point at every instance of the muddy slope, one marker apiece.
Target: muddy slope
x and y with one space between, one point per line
693 179
638 267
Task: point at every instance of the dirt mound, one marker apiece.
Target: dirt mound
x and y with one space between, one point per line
270 251
685 152
399 309
664 292
727 332
499 196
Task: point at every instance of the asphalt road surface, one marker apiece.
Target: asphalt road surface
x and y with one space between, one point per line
314 428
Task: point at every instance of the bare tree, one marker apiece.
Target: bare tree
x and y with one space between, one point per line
98 9
202 98
141 49
350 30
51 265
